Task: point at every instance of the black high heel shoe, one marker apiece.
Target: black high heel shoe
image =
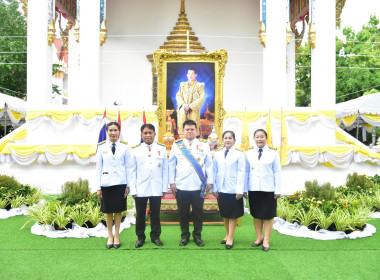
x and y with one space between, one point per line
228 246
257 244
223 241
109 246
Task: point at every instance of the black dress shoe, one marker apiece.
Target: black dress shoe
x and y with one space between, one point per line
109 246
183 242
229 246
158 242
223 241
139 243
257 244
265 249
199 242
117 246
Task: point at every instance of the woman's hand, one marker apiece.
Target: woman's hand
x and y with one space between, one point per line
173 187
208 187
126 192
245 195
277 196
239 196
215 194
99 194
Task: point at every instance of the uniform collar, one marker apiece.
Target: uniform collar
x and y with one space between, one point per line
116 143
263 148
230 149
147 146
187 142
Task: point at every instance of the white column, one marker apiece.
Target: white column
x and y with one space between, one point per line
39 61
89 94
73 70
274 55
291 73
323 56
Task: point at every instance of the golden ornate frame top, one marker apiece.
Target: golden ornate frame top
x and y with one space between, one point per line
162 57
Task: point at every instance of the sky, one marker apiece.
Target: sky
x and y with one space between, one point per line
356 13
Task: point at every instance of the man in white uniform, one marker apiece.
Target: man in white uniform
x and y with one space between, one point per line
190 174
148 181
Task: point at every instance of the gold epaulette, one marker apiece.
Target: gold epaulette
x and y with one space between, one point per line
100 143
239 149
203 140
135 146
178 140
272 148
124 142
250 148
221 148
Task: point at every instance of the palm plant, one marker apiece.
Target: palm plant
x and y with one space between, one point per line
342 220
79 216
4 202
305 218
94 215
290 213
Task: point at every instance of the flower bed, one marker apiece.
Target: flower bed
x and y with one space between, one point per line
16 197
321 207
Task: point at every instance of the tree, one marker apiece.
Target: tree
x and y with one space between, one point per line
357 65
12 49
360 54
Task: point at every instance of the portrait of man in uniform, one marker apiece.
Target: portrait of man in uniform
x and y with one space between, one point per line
193 98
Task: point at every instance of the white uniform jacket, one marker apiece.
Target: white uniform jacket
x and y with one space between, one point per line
112 169
149 170
264 174
182 172
229 171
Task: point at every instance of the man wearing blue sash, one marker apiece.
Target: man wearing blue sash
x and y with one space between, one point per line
190 177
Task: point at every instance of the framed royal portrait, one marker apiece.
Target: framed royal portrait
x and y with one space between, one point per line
190 86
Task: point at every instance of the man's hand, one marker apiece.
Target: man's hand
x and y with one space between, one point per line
215 194
134 196
245 195
99 194
163 194
173 187
208 187
277 196
239 196
126 192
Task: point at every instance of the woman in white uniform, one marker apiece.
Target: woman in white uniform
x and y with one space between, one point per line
263 182
112 164
228 188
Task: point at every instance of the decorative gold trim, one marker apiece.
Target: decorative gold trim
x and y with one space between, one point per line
338 11
288 34
312 36
162 57
77 31
51 32
103 32
25 8
263 34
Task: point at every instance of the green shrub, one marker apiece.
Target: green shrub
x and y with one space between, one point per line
11 188
74 192
319 192
375 179
358 183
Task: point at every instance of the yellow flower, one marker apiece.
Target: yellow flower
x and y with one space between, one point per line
301 198
319 202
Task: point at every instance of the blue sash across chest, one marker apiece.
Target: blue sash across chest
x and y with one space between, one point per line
195 165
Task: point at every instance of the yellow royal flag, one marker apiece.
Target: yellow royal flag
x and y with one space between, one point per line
245 134
284 141
268 129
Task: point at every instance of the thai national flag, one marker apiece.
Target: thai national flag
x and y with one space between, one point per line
103 133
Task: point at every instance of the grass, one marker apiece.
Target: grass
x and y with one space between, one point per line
27 256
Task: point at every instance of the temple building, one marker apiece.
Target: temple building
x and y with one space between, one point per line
127 56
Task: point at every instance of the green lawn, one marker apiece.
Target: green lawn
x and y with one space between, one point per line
27 256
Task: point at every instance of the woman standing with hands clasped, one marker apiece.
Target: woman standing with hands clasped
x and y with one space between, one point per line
228 188
263 181
112 165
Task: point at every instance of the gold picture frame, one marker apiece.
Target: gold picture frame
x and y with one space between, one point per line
163 58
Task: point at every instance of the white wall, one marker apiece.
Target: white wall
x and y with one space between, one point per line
126 73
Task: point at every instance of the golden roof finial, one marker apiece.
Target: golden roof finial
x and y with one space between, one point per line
182 6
